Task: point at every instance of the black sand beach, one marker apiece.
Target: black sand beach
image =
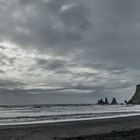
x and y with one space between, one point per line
123 128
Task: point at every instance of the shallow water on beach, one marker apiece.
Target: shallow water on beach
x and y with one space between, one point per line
52 113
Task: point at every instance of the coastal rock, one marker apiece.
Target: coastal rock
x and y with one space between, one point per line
114 102
106 101
101 102
136 97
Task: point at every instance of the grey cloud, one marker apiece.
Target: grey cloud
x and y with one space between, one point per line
2 71
98 35
2 47
57 97
5 60
11 84
51 64
21 97
47 26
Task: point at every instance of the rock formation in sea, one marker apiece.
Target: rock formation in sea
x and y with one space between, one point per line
102 102
136 97
105 101
114 102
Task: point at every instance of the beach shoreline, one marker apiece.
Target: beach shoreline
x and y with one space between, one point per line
85 129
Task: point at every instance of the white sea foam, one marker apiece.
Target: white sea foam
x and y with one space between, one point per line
14 115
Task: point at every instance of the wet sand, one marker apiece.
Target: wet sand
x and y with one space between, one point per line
123 128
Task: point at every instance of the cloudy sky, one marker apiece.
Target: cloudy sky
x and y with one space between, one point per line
68 51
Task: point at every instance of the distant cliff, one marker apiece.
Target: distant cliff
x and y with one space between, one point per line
136 97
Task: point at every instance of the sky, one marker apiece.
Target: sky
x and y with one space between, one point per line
68 51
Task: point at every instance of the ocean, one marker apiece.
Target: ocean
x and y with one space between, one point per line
28 114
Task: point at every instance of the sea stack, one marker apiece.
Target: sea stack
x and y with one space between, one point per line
136 97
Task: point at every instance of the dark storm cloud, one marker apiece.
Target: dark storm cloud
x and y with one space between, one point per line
94 25
41 23
105 31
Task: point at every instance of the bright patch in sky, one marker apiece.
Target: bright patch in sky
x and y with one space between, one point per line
66 7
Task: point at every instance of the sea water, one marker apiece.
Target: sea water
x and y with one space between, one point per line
27 114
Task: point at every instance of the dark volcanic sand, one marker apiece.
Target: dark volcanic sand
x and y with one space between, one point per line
124 128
